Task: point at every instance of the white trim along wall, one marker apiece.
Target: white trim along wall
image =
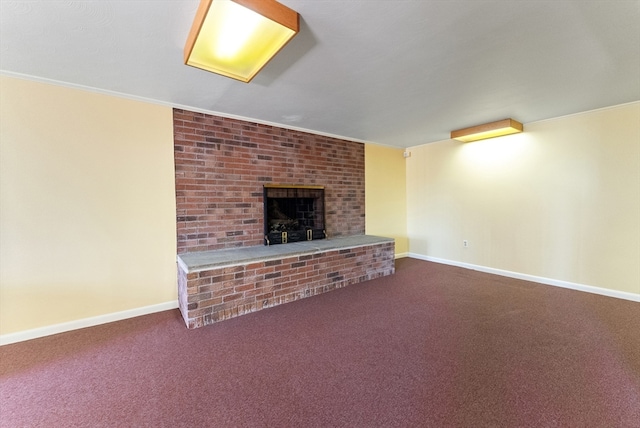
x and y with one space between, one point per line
49 330
532 278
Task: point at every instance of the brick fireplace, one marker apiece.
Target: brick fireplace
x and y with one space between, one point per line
222 166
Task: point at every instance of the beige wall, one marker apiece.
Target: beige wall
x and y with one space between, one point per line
385 194
560 201
87 205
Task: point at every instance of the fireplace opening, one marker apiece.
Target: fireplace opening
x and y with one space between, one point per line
293 213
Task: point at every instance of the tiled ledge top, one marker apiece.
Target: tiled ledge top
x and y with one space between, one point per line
205 260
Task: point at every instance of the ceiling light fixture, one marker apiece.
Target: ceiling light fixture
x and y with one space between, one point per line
488 130
237 38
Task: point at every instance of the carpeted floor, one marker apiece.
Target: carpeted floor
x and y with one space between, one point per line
431 346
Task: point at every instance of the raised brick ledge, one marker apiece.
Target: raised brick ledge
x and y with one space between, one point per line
205 260
218 285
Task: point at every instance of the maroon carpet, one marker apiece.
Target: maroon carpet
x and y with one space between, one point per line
433 345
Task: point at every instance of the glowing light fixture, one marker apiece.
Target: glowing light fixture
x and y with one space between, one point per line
237 38
488 130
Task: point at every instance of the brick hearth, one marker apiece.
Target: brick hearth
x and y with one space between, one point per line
222 284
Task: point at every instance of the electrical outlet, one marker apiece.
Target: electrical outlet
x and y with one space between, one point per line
465 243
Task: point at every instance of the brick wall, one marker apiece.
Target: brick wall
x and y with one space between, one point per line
217 294
221 165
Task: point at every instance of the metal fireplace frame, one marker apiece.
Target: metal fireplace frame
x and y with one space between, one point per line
302 232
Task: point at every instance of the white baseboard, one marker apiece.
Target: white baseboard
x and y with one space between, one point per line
21 336
6 339
542 280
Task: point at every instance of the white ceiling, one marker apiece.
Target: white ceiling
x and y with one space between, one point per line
393 72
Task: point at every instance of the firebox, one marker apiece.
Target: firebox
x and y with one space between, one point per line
293 213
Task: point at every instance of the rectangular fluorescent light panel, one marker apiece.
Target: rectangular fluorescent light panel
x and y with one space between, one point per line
488 130
237 38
